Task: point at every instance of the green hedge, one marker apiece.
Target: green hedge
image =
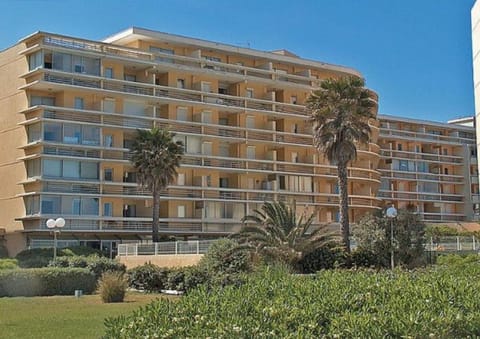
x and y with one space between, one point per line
98 265
41 257
46 281
8 264
434 303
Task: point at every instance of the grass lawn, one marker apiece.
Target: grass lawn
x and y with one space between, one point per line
63 316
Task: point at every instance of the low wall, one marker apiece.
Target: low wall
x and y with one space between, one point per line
166 260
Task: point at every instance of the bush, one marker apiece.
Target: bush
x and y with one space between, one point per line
112 287
41 257
194 276
98 265
175 279
45 281
323 258
148 277
429 303
8 264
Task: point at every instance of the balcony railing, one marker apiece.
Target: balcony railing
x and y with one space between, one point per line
166 60
173 94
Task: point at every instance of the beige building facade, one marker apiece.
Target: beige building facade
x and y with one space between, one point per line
71 108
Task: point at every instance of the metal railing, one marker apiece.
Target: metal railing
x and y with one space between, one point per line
452 244
165 248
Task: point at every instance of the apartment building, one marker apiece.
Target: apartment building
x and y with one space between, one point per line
430 167
71 107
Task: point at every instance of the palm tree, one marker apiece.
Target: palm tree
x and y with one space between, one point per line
340 110
276 231
156 157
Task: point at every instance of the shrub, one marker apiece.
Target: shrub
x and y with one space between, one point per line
323 258
194 276
98 265
41 257
148 277
8 264
225 257
175 279
46 281
112 287
429 303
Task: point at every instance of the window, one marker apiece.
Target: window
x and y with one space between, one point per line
36 100
250 121
250 152
399 147
182 114
109 105
108 174
206 87
107 209
71 169
90 135
52 132
181 83
108 140
89 170
403 165
50 205
181 179
294 157
79 103
181 211
249 93
35 60
108 73
130 77
52 168
72 134
154 49
293 99
282 183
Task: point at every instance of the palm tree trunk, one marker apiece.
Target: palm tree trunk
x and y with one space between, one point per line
343 190
156 213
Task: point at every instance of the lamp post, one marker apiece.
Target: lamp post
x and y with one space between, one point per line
391 214
55 225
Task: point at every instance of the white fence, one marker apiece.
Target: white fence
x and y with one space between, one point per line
433 244
163 248
452 244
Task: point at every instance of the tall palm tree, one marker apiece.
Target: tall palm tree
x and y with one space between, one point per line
156 157
340 110
276 231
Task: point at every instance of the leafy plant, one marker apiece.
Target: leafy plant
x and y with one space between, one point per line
45 281
373 237
272 303
148 277
276 232
8 264
112 287
98 265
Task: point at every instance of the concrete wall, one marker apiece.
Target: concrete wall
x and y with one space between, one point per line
179 260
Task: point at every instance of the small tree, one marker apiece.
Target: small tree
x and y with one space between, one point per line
372 235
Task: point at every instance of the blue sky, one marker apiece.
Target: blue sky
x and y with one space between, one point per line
415 53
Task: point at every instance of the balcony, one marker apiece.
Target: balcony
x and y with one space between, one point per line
44 79
171 61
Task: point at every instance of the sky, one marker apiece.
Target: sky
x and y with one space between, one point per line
416 54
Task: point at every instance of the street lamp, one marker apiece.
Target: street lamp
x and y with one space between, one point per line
55 225
391 214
